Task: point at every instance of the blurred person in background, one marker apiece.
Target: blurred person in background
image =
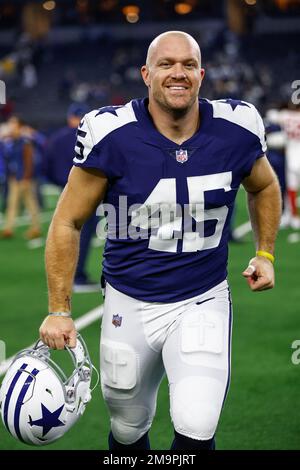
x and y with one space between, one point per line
2 173
19 156
39 141
276 141
59 161
289 120
3 167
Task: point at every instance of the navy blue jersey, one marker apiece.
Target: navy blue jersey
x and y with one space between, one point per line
168 239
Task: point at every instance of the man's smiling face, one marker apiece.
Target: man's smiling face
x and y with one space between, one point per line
173 72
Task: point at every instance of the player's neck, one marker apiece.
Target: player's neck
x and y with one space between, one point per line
177 128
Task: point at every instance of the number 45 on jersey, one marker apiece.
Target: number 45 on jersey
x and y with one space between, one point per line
161 213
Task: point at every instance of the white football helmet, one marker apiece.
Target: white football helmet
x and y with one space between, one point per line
38 402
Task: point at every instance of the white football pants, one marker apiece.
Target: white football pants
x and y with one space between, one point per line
189 340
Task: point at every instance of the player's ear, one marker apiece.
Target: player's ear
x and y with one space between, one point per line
202 73
145 75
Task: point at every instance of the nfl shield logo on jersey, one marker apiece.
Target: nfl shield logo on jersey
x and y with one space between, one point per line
182 156
117 320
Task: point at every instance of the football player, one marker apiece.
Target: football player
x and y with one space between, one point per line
289 120
168 168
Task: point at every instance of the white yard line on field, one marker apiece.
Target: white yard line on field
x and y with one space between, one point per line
80 323
242 230
50 190
40 243
36 243
25 219
293 237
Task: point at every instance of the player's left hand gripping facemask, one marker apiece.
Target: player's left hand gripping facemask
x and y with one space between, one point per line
38 402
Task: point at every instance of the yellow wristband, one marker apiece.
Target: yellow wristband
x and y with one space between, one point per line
267 255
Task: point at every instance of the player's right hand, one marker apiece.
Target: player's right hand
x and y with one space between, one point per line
58 332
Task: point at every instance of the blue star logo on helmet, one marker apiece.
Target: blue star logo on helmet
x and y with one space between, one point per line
49 419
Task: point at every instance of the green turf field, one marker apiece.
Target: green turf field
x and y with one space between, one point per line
262 409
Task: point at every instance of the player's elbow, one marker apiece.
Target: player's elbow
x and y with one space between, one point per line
65 222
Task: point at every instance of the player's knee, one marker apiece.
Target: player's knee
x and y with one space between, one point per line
197 422
196 407
129 424
126 433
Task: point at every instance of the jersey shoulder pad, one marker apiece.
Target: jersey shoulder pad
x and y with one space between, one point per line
243 114
98 124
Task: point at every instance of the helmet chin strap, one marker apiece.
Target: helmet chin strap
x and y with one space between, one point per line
80 355
79 352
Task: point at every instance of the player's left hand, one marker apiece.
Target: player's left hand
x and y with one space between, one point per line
260 274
